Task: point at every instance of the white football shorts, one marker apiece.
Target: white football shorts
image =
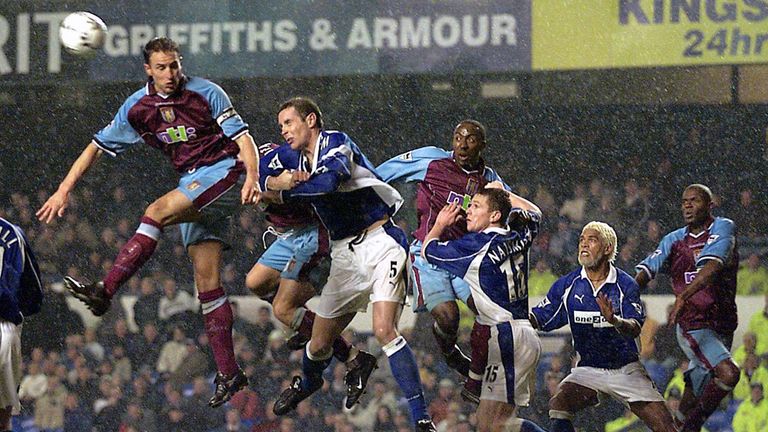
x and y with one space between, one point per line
10 365
514 350
630 383
365 269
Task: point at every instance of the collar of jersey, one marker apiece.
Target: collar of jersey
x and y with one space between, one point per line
612 274
709 228
496 230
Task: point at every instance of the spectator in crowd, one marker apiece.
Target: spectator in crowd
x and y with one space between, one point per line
384 421
752 372
748 346
49 407
176 305
758 324
752 278
573 208
173 352
135 416
93 349
752 414
541 278
446 394
76 417
146 351
33 384
750 216
365 417
147 306
232 422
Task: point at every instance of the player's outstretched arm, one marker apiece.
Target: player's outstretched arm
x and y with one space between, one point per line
626 327
250 191
58 202
515 200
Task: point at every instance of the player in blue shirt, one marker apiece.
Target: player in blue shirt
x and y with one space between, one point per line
601 303
493 260
702 260
444 177
281 276
192 122
369 253
21 295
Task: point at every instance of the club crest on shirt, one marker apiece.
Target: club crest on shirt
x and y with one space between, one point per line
168 114
472 186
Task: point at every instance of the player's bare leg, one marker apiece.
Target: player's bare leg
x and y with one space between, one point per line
317 357
655 415
402 362
217 317
726 376
446 329
171 208
569 399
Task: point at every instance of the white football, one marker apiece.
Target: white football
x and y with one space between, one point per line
82 33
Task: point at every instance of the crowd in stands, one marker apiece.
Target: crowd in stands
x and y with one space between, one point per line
158 378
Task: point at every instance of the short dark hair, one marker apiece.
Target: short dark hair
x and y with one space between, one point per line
476 124
703 190
304 106
498 200
160 44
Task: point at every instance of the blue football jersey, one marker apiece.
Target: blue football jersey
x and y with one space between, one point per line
21 289
572 300
271 164
344 188
495 264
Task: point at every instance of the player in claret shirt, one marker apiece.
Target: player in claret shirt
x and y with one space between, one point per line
602 305
193 122
493 260
445 177
702 260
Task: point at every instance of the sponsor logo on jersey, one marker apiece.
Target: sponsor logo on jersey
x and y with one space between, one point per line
713 238
472 186
168 114
595 319
176 134
580 298
194 185
461 200
406 156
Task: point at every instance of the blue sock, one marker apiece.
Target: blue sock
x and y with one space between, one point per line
406 373
313 370
529 426
561 425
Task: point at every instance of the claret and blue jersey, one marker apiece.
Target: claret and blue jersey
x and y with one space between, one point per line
681 254
442 181
573 300
344 188
495 264
196 126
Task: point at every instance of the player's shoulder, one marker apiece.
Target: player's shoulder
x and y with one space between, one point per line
136 96
676 235
427 152
333 138
722 223
569 279
204 87
625 280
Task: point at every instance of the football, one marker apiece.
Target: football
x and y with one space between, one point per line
82 33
